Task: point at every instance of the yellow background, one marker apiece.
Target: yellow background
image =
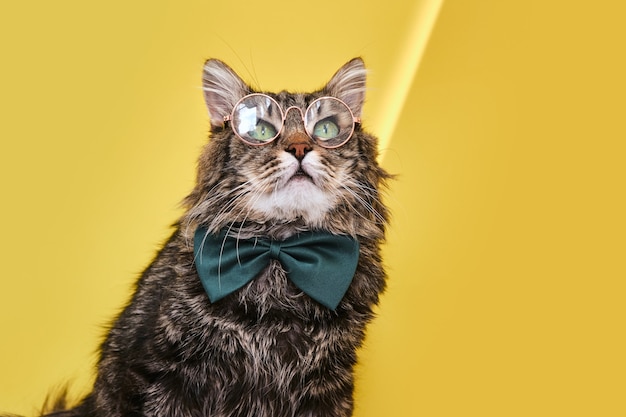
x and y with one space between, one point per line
506 251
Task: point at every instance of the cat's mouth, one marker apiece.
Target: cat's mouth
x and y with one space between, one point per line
301 174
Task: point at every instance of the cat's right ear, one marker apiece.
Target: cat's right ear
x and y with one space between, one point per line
348 85
222 89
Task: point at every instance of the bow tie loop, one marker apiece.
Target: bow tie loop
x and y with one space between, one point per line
321 264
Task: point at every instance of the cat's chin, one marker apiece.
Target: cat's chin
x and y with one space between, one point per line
298 194
298 198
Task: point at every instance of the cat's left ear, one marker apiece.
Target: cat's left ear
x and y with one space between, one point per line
348 85
222 89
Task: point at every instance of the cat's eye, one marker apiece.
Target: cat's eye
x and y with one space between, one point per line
325 129
258 119
263 131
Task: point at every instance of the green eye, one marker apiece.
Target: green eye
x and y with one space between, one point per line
263 131
325 129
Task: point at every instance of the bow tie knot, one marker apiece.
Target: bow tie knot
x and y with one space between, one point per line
274 250
320 264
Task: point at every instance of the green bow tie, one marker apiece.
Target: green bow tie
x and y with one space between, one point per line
320 264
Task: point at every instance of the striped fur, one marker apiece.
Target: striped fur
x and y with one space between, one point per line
266 350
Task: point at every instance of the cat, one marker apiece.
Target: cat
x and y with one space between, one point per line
277 168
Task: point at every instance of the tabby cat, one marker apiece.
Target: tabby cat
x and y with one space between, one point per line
256 304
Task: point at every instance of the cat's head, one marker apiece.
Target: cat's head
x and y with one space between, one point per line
287 160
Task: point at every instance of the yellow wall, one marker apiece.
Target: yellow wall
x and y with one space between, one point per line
506 252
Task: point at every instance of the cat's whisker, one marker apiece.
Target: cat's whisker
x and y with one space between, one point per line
381 192
218 192
228 201
372 193
251 193
369 192
261 188
229 206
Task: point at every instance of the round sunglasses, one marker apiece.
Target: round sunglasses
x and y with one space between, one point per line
258 119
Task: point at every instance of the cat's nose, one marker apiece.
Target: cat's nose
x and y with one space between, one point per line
299 145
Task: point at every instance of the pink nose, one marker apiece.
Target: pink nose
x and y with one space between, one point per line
299 145
299 149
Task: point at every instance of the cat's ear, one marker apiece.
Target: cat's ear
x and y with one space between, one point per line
222 89
348 85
